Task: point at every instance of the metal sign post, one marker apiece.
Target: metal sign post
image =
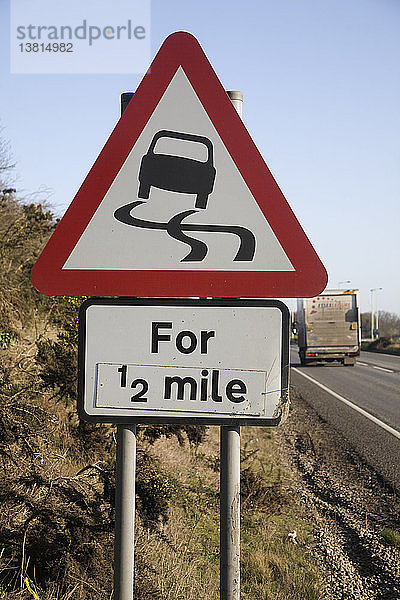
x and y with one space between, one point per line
230 486
125 512
230 514
125 495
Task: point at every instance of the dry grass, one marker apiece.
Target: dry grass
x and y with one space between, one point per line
185 552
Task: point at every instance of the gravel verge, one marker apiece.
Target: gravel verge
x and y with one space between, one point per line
349 504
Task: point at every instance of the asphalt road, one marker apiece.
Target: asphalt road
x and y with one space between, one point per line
360 402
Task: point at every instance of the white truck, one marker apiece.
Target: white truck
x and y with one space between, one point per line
328 327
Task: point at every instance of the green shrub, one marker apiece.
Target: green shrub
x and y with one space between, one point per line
7 339
391 537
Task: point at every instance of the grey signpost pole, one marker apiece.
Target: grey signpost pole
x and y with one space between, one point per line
125 472
230 514
125 512
230 487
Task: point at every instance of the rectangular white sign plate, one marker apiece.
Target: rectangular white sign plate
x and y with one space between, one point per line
183 361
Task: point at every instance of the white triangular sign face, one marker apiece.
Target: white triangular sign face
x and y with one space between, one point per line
179 201
108 243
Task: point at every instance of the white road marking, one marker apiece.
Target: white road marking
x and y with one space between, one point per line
383 369
361 364
354 406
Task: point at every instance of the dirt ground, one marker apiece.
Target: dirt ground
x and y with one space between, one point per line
355 514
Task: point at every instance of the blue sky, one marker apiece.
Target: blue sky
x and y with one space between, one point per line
321 100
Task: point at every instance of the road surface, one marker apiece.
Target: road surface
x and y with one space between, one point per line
361 402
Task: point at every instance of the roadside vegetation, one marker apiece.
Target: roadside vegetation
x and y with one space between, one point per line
388 340
382 344
389 325
57 479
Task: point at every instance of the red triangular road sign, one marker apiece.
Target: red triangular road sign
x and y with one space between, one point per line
179 202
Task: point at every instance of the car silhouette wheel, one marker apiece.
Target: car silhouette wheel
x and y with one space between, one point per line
178 173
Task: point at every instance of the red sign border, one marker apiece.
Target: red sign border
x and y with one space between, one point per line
309 277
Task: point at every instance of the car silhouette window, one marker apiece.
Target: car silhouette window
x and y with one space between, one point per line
178 173
179 147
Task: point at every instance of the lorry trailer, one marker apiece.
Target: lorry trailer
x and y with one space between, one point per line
328 327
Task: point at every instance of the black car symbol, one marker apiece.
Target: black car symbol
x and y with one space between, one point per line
178 173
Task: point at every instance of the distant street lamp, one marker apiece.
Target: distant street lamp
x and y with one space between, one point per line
340 282
372 312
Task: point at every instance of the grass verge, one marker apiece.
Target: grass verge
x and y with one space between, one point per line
184 553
